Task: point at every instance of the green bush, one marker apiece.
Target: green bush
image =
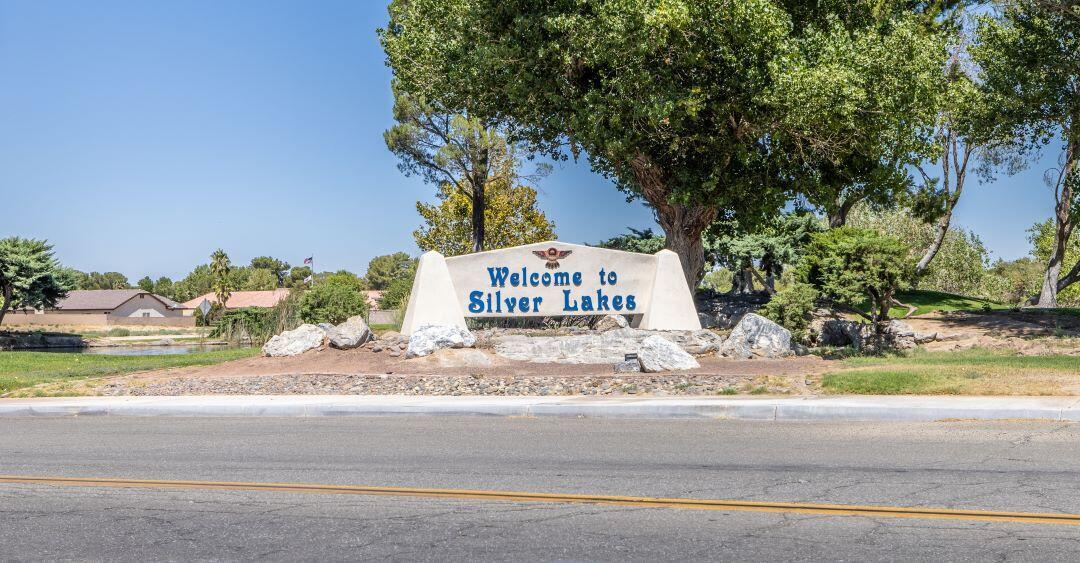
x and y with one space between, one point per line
853 267
791 307
396 296
256 325
332 302
118 332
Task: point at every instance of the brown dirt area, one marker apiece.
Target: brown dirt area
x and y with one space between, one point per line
1027 332
481 372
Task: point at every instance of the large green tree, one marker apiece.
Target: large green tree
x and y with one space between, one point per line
30 276
456 151
703 108
511 218
279 268
382 270
1029 59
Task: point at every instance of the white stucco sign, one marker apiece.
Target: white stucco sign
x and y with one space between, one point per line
550 279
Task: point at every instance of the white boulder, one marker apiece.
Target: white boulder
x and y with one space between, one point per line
757 336
428 338
297 341
660 354
352 333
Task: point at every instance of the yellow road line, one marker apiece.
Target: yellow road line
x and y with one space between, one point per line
519 496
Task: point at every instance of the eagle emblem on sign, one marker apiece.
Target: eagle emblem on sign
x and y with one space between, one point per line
552 256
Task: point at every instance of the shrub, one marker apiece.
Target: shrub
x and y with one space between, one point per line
118 332
256 326
396 295
853 267
332 302
791 307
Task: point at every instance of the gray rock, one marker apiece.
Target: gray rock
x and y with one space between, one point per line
660 354
897 335
605 348
352 333
428 338
297 341
628 366
695 342
610 322
757 336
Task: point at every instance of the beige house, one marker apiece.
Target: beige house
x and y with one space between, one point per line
238 300
94 307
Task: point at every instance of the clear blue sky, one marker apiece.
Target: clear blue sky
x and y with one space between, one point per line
126 126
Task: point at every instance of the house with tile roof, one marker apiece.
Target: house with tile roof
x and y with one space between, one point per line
239 300
134 303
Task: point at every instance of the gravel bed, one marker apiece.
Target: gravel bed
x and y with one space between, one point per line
310 384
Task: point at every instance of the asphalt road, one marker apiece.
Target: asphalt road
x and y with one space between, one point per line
1024 467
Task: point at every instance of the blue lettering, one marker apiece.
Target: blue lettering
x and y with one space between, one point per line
515 279
577 278
586 303
612 279
616 302
601 301
568 304
630 305
545 279
603 278
562 278
534 279
498 276
476 302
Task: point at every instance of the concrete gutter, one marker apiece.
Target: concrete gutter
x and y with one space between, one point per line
831 408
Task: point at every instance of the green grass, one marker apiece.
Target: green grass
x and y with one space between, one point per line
967 372
929 301
25 369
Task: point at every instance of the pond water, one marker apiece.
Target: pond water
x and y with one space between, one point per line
136 350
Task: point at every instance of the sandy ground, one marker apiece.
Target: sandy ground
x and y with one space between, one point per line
1028 332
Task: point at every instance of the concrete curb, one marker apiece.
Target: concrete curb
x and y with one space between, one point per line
842 408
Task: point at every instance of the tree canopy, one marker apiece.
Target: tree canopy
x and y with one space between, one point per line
30 276
382 270
1029 60
511 216
696 106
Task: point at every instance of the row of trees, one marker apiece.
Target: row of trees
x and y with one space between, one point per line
718 114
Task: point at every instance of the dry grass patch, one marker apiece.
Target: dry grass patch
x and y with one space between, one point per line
967 372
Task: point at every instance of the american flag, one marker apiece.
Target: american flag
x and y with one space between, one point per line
309 260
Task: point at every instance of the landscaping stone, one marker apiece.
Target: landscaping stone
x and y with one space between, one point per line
350 334
608 347
756 336
611 322
660 354
297 341
628 366
725 311
426 339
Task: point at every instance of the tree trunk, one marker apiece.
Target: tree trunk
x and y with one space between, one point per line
479 205
683 230
839 213
682 224
939 237
1063 227
7 303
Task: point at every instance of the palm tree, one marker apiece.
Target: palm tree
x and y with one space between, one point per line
219 270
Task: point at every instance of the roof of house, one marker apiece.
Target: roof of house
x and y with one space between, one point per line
241 299
105 299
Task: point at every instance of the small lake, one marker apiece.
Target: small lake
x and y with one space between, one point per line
135 350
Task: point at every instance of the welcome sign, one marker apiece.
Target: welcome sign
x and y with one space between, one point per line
551 279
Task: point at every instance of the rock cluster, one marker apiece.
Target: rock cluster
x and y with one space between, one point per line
391 342
296 341
611 322
610 347
428 338
660 354
350 334
896 335
756 336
